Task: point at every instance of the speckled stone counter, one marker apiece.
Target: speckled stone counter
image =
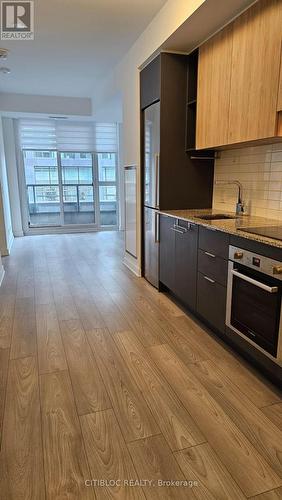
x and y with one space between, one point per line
229 225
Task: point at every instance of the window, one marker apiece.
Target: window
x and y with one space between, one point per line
107 176
64 192
43 154
46 175
68 156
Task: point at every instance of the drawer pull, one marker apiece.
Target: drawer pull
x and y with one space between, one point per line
179 229
209 280
210 254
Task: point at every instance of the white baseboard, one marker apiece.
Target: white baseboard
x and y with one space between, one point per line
33 231
5 252
132 264
2 272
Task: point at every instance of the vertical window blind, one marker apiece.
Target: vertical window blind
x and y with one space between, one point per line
68 136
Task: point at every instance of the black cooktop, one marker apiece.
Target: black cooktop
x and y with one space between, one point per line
268 231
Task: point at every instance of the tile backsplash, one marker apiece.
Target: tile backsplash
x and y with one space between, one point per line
259 169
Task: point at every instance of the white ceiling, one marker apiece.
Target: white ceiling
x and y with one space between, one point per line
76 43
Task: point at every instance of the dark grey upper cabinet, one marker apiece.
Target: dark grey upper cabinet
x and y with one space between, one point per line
183 182
150 83
186 246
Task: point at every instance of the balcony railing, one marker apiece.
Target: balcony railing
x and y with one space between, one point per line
78 204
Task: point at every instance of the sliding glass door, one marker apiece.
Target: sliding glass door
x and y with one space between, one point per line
107 181
42 185
71 188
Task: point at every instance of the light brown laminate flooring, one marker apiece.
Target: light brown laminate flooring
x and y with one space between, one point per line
104 379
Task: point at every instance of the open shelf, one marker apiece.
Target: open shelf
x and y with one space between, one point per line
191 111
192 79
191 100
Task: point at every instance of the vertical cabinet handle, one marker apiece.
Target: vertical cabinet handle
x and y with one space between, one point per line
157 180
157 227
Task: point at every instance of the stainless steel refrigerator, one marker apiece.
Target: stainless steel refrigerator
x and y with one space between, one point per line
151 192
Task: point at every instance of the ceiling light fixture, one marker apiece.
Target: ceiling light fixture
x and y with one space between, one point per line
3 54
4 70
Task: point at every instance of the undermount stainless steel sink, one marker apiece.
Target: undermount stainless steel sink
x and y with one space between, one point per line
216 217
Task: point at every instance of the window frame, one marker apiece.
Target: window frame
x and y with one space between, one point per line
96 225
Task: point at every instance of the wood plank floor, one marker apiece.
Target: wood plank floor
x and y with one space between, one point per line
108 389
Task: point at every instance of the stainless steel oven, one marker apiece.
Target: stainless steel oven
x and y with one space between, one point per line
254 293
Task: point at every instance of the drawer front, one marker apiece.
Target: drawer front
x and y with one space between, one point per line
213 266
211 302
215 242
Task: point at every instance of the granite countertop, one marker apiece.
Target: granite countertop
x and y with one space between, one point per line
229 225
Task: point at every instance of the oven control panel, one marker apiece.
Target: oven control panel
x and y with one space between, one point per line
263 264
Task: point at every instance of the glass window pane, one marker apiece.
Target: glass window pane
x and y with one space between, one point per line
78 204
42 182
107 167
86 198
77 159
108 205
77 168
78 197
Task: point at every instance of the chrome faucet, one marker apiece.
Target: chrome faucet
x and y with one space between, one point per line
239 204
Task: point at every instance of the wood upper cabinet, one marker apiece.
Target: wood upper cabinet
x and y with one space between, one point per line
238 79
213 94
279 100
255 72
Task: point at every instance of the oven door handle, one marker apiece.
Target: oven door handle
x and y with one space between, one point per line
270 289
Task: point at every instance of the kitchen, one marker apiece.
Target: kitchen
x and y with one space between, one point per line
140 283
212 152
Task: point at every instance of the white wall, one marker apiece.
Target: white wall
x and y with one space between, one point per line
58 105
125 78
9 135
6 231
1 271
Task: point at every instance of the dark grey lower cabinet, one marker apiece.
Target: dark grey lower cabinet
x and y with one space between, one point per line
179 272
211 302
178 258
167 251
186 248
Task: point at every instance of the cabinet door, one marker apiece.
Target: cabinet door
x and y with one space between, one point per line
211 302
214 73
167 251
150 83
255 72
186 245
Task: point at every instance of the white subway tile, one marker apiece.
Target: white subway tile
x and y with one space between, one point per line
277 146
259 169
276 166
276 156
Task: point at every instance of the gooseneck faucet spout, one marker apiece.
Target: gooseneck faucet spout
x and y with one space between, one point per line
239 204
